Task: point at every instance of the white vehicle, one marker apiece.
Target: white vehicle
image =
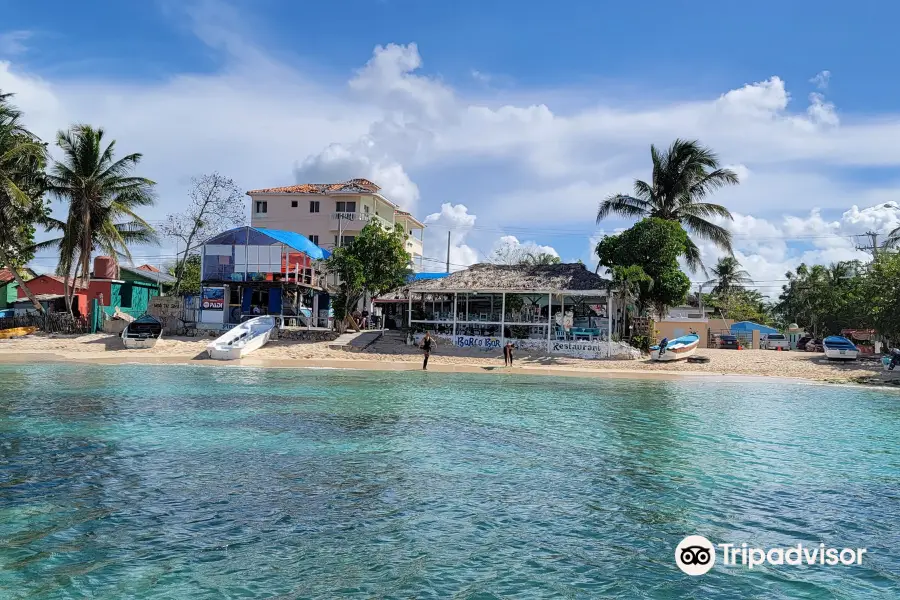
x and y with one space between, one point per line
243 339
774 341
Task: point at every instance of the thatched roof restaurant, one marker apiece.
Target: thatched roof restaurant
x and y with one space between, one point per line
562 307
561 278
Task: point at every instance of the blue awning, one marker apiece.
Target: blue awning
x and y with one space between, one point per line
424 276
749 326
296 241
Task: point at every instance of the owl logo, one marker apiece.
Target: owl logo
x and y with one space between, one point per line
695 555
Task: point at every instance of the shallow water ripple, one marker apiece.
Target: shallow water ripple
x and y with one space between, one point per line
181 482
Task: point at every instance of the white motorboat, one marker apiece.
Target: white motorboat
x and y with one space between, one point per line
243 339
143 332
839 348
680 347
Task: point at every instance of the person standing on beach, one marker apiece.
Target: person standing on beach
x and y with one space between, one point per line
427 345
508 354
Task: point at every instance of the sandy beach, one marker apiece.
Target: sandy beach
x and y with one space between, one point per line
386 355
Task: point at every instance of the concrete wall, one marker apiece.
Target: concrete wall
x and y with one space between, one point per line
678 327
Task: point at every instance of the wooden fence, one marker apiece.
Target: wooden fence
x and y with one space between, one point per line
49 322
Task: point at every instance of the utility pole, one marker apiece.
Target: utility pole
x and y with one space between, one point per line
448 251
873 247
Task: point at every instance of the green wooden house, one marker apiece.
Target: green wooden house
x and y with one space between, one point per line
9 288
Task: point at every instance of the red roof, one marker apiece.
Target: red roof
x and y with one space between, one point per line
78 286
6 276
353 185
150 268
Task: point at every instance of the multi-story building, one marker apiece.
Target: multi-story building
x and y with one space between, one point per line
332 214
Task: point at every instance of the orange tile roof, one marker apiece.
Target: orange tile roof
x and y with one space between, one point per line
6 276
353 185
150 268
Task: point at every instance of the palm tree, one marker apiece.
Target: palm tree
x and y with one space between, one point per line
539 258
102 197
22 158
683 176
728 276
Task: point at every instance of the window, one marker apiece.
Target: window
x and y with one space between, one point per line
366 208
313 206
314 239
262 207
345 240
342 206
293 204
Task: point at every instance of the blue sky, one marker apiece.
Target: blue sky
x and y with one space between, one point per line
524 113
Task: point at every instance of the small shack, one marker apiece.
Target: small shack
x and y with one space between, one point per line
251 271
559 309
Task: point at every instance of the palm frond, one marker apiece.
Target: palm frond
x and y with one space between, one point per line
622 205
708 231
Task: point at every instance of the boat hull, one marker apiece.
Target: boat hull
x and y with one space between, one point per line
840 354
5 334
142 333
839 348
677 349
242 339
139 343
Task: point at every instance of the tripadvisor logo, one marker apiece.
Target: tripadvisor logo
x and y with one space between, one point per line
696 555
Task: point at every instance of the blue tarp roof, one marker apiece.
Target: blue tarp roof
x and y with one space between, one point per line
261 235
423 276
296 241
751 326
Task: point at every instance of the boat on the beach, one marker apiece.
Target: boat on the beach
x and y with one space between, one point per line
143 332
839 348
15 332
243 339
680 347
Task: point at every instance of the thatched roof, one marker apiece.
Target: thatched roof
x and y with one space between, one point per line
516 278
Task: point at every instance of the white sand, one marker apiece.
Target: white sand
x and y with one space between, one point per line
108 348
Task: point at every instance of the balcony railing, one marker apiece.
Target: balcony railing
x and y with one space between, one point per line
361 217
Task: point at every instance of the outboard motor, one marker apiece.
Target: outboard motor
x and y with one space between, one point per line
662 346
895 358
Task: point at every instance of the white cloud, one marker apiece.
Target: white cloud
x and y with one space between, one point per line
509 246
456 220
13 42
539 160
821 79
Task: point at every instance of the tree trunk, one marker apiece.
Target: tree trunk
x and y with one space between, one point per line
179 272
5 260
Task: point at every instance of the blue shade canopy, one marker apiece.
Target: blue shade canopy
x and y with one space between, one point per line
296 241
423 276
748 326
263 236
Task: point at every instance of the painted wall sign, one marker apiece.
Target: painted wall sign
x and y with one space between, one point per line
212 298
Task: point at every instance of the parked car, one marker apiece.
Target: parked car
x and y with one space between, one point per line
815 345
802 342
774 341
729 342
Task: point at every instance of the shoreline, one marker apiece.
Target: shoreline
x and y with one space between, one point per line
365 364
387 354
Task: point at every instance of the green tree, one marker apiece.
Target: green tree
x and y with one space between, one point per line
22 203
375 262
626 285
102 196
540 258
825 299
881 289
190 273
684 175
728 278
654 245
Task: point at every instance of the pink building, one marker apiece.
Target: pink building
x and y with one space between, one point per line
330 214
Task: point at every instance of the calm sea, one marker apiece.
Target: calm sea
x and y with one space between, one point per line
193 482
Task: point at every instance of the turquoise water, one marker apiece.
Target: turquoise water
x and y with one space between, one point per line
187 482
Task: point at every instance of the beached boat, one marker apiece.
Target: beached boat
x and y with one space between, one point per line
680 347
243 339
839 348
143 332
6 334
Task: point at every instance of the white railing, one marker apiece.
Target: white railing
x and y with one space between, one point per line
361 217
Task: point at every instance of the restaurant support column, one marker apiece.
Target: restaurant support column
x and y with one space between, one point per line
609 324
549 318
503 319
409 314
455 297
